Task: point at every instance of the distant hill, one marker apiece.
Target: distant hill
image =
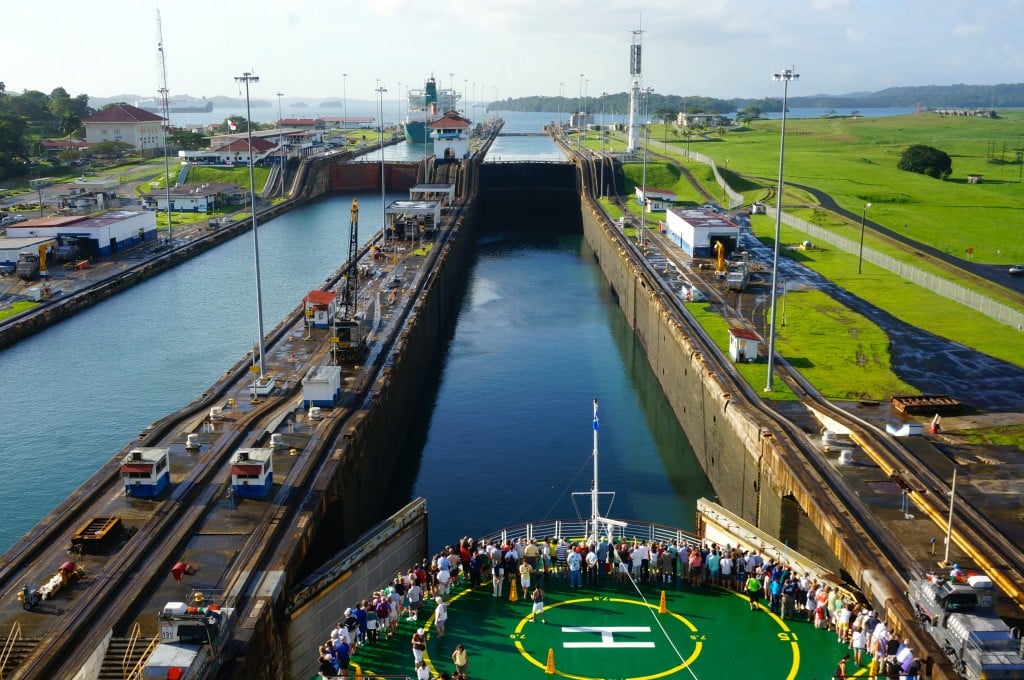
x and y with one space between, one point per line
927 96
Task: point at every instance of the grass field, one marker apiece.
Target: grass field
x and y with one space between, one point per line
854 161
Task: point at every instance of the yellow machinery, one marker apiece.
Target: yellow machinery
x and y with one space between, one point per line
720 252
32 265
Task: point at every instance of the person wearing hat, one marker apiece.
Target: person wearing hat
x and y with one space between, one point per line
956 574
440 615
419 644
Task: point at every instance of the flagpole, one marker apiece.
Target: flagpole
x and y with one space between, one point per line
593 492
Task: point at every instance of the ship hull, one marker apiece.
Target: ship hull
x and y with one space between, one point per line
416 131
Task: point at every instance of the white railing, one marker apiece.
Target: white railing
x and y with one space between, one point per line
579 529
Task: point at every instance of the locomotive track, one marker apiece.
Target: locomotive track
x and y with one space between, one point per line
993 551
109 597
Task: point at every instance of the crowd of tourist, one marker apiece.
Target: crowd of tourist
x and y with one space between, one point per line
788 594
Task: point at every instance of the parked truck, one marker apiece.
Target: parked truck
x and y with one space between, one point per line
32 265
738 277
961 616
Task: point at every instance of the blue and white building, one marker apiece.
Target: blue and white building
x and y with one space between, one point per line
146 472
252 472
99 236
695 231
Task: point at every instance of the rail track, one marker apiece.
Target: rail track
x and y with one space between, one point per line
990 548
115 584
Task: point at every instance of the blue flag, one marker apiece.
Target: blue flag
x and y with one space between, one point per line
597 424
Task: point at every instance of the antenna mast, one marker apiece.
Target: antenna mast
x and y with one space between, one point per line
165 112
636 75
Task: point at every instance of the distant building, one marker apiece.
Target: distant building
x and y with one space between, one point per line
202 198
125 123
235 151
691 120
451 136
581 120
656 200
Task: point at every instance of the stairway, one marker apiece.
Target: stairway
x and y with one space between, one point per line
20 649
115 667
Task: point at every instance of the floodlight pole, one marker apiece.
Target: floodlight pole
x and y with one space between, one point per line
863 218
785 76
248 78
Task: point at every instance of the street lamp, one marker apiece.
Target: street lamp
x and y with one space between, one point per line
863 217
380 111
344 104
604 134
561 102
785 76
280 139
579 116
643 183
261 382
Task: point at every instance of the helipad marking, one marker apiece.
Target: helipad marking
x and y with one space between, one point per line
698 645
607 637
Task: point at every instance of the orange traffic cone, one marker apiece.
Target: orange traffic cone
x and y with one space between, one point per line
551 662
513 596
663 608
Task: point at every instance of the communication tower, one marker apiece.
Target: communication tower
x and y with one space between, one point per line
635 74
165 112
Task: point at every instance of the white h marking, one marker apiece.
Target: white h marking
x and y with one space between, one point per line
607 637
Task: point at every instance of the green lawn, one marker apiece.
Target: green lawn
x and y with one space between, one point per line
16 308
237 175
909 302
854 160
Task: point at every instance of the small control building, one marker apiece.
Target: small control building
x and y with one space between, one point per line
146 472
252 472
321 386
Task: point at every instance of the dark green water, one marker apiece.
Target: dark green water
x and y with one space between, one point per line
538 337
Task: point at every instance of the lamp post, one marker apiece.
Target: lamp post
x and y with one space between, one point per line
344 103
561 102
280 139
579 117
785 76
643 183
380 111
863 218
604 134
247 78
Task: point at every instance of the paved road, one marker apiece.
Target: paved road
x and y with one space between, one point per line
932 364
997 273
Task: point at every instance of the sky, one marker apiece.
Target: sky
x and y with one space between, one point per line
493 49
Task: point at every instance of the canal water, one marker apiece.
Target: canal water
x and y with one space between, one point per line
504 433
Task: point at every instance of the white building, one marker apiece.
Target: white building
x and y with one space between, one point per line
100 236
656 200
696 231
125 123
451 137
202 198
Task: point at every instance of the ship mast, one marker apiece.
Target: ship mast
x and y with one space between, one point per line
594 514
165 112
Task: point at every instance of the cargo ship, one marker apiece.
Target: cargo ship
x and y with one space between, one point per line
179 104
425 106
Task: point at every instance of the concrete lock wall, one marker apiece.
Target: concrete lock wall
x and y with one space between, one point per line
396 542
346 500
741 461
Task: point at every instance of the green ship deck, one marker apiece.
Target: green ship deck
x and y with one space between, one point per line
612 631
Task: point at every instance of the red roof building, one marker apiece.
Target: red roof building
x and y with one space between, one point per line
451 136
125 123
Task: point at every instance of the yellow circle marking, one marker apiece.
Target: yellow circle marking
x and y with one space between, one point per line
787 635
543 666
